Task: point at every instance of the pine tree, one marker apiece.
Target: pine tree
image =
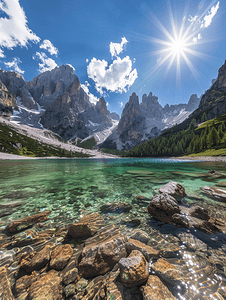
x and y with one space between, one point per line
223 126
213 138
220 131
203 118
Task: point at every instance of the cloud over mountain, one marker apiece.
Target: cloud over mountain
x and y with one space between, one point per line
47 45
46 64
14 30
14 65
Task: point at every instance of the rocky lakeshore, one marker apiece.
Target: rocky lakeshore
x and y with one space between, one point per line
101 256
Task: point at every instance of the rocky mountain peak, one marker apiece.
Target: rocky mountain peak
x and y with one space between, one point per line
193 103
101 106
221 80
13 81
150 106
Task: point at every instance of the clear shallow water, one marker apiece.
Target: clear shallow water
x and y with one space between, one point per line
72 188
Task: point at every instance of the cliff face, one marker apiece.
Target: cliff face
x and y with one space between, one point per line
7 101
213 101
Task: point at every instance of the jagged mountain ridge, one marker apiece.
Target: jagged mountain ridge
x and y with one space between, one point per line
140 122
62 106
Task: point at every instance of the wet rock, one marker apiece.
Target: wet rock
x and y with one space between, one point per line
215 174
69 290
221 184
192 242
199 212
86 226
174 189
101 254
146 250
114 290
140 235
5 289
70 276
167 272
156 290
116 208
60 256
207 227
48 286
133 269
93 287
131 222
214 193
41 217
163 206
25 282
36 261
180 220
81 285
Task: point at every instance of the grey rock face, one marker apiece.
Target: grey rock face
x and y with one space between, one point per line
150 107
114 116
26 99
7 101
13 81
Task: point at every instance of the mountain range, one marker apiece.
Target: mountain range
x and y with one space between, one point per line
55 100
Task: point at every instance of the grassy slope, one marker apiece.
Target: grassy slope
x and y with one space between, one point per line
16 143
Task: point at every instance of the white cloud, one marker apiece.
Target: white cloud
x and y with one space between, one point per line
116 77
47 45
195 40
199 36
14 30
93 99
192 19
1 54
87 60
47 63
121 104
71 66
107 104
14 65
117 48
209 16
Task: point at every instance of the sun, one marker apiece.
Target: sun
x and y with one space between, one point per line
178 46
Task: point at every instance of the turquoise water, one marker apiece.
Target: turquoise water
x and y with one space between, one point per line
72 188
80 186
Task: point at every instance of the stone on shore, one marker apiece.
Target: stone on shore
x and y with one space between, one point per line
133 269
60 256
140 235
146 250
25 282
162 207
100 255
174 189
167 272
48 287
86 226
156 290
180 220
215 193
41 217
70 276
5 288
36 261
199 212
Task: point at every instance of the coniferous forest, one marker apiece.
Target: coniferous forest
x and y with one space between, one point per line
209 138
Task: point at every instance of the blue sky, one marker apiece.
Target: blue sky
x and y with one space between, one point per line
170 48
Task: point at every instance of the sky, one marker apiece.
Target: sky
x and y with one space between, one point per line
170 48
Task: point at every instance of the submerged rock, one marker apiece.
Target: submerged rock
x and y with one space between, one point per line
41 217
199 212
116 207
60 256
214 193
5 288
167 272
147 251
174 189
101 255
156 290
86 226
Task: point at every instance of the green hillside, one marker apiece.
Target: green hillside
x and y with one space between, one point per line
16 143
208 139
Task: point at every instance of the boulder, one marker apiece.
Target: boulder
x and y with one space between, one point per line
156 290
70 276
174 189
133 269
36 261
5 288
24 282
60 256
114 290
207 227
167 272
100 255
146 250
163 206
86 226
40 217
180 220
140 235
215 193
69 290
48 286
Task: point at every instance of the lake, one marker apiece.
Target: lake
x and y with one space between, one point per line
73 188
